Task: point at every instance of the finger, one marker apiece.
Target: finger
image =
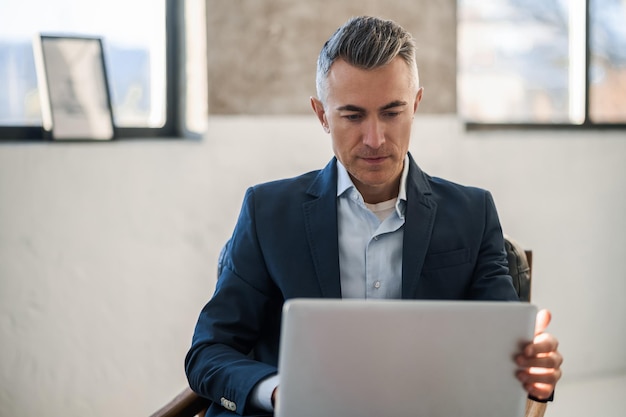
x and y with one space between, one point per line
546 378
541 344
551 361
539 391
539 376
543 320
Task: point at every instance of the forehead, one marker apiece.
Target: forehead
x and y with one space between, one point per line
348 84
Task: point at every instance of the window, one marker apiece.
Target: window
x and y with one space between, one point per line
542 62
135 36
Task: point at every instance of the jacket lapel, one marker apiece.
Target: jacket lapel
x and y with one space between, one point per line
320 217
418 227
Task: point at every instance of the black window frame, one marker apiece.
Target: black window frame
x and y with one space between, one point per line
587 123
170 129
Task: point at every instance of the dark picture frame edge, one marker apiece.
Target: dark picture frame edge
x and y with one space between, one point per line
74 88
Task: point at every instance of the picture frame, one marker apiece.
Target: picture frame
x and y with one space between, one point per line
73 88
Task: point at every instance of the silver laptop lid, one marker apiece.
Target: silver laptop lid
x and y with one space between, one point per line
399 358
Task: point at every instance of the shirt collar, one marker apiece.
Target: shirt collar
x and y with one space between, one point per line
403 178
344 183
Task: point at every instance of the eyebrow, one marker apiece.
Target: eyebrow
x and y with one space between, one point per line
396 103
352 107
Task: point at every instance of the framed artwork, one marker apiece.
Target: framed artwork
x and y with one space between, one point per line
72 81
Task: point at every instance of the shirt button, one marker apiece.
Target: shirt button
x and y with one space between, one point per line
377 284
375 237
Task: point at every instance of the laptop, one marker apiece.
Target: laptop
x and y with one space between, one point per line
401 358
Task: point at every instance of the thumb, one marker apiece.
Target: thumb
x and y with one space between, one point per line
543 320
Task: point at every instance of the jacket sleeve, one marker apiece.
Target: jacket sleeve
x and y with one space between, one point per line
491 279
220 364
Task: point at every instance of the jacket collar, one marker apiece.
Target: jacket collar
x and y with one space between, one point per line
420 218
320 216
320 219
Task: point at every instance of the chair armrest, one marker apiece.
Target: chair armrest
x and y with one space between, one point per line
185 404
534 408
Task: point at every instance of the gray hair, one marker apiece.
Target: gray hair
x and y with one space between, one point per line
367 43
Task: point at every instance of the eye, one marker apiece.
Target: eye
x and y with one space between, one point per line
354 117
391 114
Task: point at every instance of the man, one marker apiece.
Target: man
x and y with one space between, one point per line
370 224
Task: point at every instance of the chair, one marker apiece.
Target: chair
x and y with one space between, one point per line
185 404
189 404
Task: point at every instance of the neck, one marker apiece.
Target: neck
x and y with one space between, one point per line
378 194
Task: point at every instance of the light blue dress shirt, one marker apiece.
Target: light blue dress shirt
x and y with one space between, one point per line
370 252
370 248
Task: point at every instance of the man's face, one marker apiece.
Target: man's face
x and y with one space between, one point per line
369 114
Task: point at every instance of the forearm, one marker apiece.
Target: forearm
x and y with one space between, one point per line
218 371
491 275
220 363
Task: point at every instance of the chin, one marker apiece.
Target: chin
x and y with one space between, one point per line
374 180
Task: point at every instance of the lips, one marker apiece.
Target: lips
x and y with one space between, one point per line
374 159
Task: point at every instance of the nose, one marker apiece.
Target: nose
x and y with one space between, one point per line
373 134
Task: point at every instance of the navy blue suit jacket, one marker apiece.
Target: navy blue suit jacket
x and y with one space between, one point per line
285 245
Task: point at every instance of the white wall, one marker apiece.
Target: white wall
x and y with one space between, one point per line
107 251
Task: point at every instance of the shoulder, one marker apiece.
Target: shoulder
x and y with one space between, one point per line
452 197
431 188
441 186
275 198
301 181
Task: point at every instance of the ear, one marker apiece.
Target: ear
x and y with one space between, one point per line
318 108
418 98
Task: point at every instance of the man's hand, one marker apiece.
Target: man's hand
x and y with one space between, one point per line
540 361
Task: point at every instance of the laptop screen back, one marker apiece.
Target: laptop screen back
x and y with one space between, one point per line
399 358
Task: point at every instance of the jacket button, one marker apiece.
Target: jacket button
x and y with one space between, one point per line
227 404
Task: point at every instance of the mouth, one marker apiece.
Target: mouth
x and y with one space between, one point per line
375 159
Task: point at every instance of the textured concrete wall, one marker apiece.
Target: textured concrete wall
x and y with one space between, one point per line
262 53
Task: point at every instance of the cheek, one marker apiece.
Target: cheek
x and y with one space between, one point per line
339 144
344 146
344 137
401 134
